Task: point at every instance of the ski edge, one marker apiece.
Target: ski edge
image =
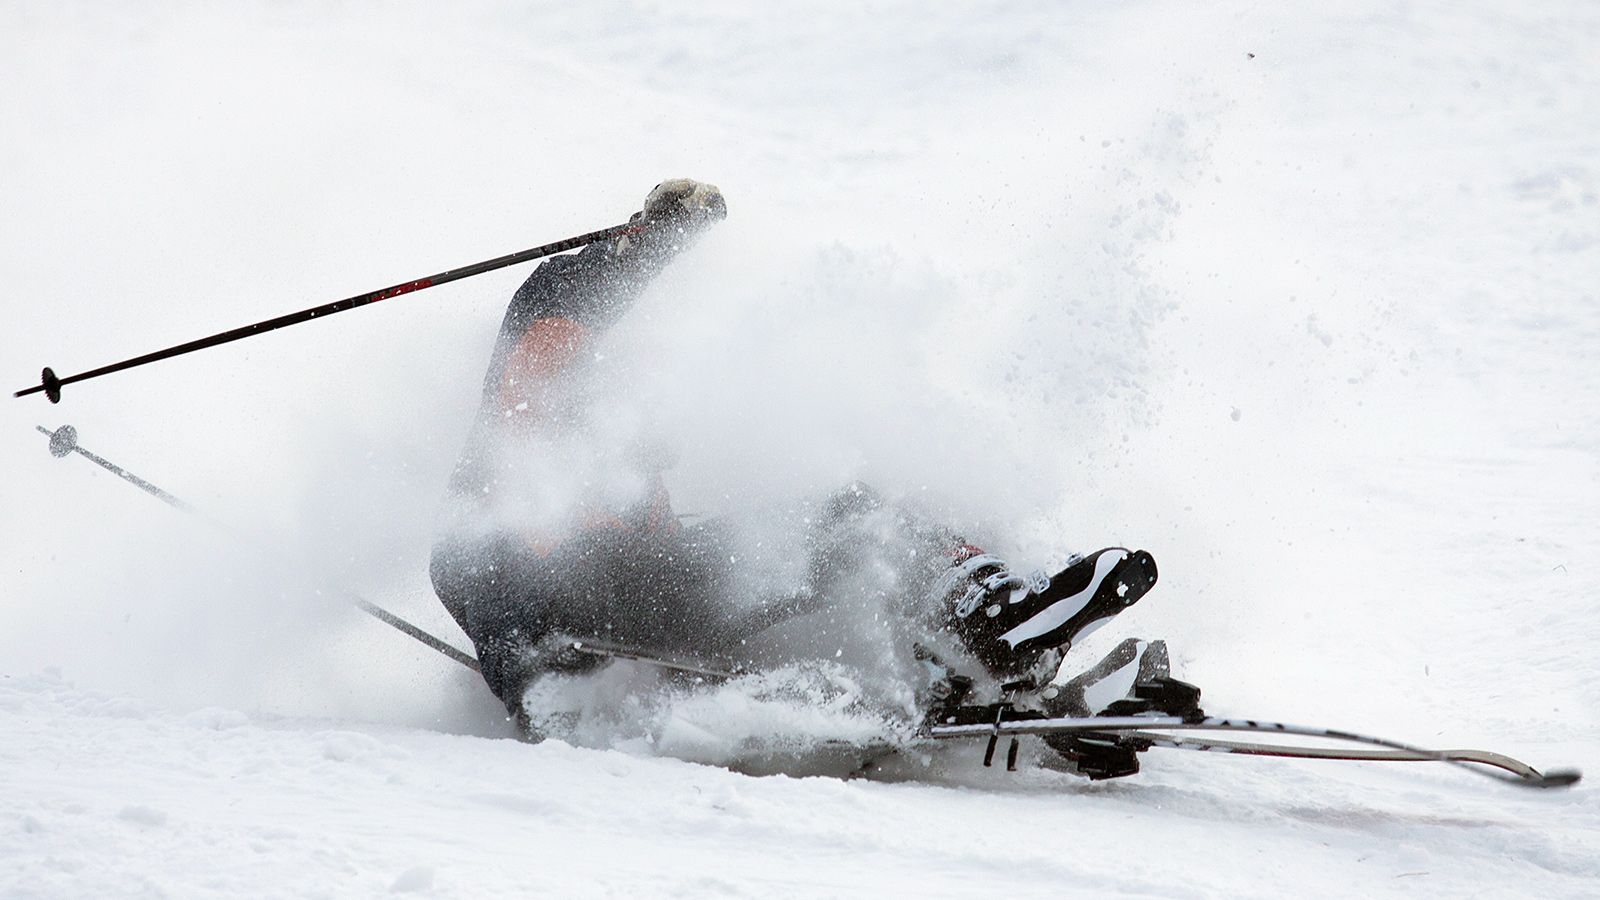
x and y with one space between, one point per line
1251 748
1501 767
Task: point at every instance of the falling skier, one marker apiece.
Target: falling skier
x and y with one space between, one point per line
560 552
556 530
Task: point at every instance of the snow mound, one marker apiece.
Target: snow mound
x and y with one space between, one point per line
810 718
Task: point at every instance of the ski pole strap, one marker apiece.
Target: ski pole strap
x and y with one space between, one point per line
51 384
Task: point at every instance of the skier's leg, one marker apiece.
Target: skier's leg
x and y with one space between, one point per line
662 590
1017 626
856 528
471 583
507 600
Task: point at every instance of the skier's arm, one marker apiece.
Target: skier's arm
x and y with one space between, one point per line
569 298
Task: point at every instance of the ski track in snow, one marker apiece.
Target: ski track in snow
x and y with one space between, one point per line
1302 298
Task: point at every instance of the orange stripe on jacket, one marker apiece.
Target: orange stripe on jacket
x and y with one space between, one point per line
545 350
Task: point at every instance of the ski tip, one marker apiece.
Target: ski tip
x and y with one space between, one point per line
1560 778
63 440
51 384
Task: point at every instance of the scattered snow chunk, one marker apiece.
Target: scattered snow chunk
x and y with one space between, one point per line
217 719
416 878
143 815
1316 331
725 799
116 707
344 746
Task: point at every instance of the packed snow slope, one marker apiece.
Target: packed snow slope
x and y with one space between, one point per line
1300 297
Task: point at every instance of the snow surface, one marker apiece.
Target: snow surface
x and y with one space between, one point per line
1299 297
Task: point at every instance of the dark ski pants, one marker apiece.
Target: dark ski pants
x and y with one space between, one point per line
670 589
651 590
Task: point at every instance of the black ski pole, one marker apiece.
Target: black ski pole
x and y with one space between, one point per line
64 442
51 384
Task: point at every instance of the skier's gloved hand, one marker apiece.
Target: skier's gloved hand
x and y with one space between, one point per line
675 213
685 201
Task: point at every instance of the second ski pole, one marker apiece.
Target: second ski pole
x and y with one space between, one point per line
64 442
